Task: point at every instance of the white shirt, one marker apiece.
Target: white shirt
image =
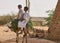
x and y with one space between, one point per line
23 23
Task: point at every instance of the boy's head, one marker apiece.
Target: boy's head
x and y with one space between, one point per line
19 6
26 9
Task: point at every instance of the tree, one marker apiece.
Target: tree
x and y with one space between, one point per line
50 15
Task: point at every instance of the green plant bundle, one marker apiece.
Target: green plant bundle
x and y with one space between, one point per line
14 24
30 24
50 15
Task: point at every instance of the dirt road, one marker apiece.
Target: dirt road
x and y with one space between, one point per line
30 40
7 36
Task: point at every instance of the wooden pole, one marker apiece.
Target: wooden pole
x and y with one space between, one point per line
28 6
26 2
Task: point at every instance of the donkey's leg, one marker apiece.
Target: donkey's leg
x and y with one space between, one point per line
23 39
17 37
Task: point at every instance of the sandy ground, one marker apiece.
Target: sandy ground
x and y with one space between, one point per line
30 40
7 36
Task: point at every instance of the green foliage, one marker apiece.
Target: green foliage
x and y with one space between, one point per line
14 24
30 24
50 14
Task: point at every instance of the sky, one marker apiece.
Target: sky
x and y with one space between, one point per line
38 8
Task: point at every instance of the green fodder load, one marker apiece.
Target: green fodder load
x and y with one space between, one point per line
30 24
14 25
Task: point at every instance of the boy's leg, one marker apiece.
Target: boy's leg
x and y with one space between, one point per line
17 36
25 34
20 30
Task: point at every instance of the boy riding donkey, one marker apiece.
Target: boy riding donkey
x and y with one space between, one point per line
20 23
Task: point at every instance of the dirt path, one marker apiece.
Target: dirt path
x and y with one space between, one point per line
30 40
9 37
6 34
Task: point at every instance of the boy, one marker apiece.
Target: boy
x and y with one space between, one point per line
19 17
20 12
26 17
